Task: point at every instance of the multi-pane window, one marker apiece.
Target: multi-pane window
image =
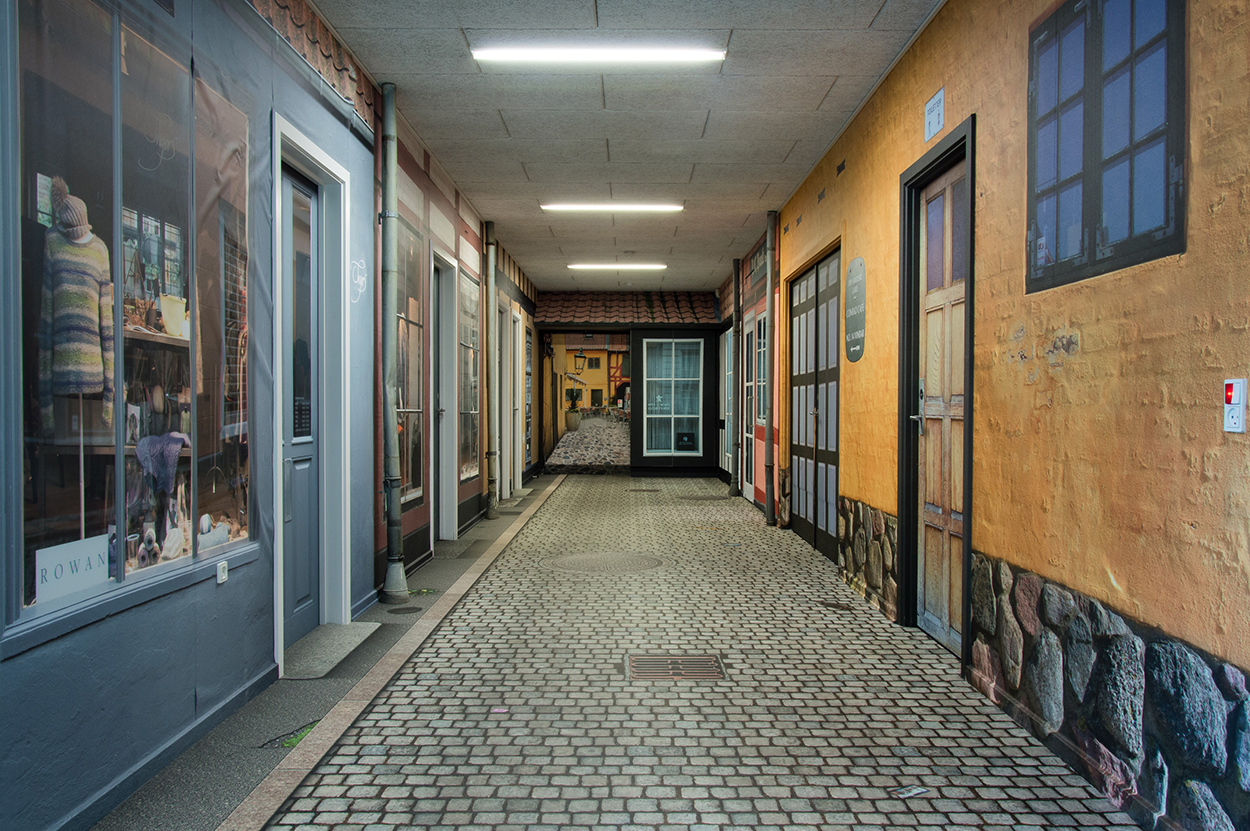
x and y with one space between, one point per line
748 400
410 406
673 372
593 363
1106 140
470 361
761 369
529 396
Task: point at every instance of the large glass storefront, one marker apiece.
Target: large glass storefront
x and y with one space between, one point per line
134 257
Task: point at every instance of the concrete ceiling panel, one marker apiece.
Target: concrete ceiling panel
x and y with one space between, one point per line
762 173
740 92
494 92
573 124
805 53
734 124
661 172
542 191
683 192
486 170
452 124
586 151
906 15
736 14
848 93
418 51
458 14
757 150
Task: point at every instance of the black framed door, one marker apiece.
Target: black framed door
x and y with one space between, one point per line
814 367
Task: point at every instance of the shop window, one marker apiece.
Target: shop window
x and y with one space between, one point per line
1106 138
748 399
120 481
411 402
470 360
673 372
529 396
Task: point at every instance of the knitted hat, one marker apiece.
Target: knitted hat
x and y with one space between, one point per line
71 212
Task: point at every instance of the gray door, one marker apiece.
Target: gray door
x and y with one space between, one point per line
301 271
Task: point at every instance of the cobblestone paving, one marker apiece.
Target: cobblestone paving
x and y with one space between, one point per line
600 445
517 714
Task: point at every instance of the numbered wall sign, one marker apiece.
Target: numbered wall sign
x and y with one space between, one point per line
856 303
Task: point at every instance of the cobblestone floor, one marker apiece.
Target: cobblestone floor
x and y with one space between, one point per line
600 445
517 713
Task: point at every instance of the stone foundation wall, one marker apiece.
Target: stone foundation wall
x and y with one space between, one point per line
1158 726
867 552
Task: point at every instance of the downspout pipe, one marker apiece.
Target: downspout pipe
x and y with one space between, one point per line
395 585
770 507
735 418
492 376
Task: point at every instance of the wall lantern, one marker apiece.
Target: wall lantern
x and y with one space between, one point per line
579 362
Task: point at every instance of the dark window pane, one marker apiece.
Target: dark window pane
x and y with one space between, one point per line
1072 61
1149 21
1149 187
301 326
935 226
1046 154
1072 140
1115 32
1048 77
1115 201
959 226
1045 253
1150 92
1070 221
1115 101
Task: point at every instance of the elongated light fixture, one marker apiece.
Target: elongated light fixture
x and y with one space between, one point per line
614 207
600 55
617 266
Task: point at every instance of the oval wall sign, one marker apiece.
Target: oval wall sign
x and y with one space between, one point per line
856 303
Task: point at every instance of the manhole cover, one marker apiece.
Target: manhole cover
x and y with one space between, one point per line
604 563
675 667
404 610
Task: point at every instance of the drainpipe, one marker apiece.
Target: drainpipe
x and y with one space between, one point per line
395 586
492 377
770 509
735 418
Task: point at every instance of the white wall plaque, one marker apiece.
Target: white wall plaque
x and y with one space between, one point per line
935 115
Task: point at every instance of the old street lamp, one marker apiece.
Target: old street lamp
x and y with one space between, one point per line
579 362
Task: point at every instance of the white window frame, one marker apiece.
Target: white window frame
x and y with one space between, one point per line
648 378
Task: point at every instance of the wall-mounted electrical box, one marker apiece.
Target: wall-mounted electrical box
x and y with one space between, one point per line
1235 405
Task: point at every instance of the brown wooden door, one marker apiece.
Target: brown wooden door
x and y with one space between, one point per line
943 268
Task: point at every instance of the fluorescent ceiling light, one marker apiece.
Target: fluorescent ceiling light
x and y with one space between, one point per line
609 54
615 207
618 266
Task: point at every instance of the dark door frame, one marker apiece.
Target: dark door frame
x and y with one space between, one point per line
958 145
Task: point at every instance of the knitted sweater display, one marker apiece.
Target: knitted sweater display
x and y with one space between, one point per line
76 324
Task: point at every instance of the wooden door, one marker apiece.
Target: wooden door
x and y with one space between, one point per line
943 269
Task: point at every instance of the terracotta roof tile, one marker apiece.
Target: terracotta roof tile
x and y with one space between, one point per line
628 308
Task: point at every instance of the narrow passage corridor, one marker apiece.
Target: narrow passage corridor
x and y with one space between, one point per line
520 712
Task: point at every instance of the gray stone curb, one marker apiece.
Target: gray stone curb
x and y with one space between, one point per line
265 800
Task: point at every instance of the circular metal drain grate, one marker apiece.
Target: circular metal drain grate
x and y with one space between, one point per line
604 563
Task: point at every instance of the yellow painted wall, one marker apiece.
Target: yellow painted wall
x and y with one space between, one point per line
596 379
1105 467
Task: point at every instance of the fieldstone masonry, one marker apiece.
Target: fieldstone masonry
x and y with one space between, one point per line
1160 728
867 543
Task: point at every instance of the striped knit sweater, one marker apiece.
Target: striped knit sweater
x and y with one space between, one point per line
76 324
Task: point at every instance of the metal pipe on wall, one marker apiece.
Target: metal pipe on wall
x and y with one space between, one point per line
770 508
492 377
735 418
395 585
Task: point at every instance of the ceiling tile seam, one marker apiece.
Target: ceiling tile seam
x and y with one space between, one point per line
465 37
873 22
706 119
790 152
504 122
825 97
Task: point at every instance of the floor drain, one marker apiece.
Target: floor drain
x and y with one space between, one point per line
404 610
675 667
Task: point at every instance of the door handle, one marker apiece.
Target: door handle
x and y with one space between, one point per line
288 473
919 418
